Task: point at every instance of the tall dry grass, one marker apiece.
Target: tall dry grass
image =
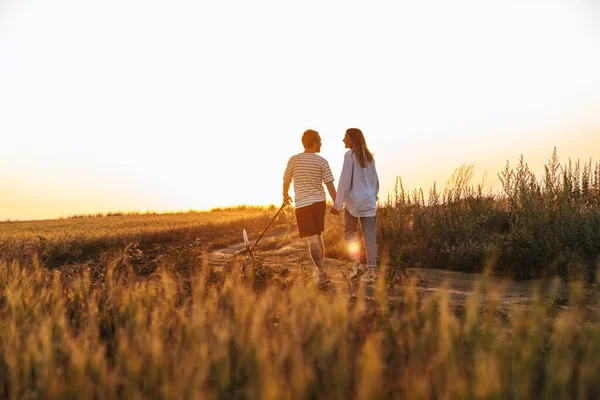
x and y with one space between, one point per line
120 336
534 227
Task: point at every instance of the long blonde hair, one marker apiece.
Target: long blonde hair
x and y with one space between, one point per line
359 147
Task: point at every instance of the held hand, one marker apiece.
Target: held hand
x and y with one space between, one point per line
287 199
334 211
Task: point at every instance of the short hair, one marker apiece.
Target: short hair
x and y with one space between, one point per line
309 137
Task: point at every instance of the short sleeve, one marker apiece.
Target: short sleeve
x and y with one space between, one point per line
289 172
326 171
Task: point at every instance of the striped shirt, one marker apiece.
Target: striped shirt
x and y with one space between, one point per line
308 171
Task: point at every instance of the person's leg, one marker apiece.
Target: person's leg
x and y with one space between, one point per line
314 249
310 225
368 226
322 246
351 238
319 215
351 235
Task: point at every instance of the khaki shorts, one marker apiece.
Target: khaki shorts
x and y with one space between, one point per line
311 219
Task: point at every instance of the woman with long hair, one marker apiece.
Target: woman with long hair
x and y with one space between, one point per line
357 191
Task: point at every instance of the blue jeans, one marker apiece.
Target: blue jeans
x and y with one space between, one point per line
368 227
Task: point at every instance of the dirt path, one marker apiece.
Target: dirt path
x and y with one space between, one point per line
287 250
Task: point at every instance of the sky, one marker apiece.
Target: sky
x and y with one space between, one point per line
154 105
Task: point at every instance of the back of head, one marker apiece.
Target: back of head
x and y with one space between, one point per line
359 147
309 137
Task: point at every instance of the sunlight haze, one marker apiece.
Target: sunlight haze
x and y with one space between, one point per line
147 105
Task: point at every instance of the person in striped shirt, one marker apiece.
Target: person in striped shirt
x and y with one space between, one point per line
309 171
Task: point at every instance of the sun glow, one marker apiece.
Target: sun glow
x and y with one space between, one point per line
194 105
353 248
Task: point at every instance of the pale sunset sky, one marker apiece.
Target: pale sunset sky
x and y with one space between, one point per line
175 105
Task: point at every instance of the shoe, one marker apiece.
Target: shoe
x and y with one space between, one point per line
356 271
322 280
369 277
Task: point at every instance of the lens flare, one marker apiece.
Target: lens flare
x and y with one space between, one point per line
353 248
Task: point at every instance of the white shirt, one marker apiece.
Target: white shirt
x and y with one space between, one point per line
358 187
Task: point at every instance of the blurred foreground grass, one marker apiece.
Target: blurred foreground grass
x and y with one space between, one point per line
122 336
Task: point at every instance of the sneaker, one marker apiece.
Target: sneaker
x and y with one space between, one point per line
356 271
369 277
322 280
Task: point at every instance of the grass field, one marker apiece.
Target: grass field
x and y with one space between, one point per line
129 307
70 240
534 227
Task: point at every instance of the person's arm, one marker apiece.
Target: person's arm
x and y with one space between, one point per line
286 188
331 190
328 179
287 180
377 185
345 182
